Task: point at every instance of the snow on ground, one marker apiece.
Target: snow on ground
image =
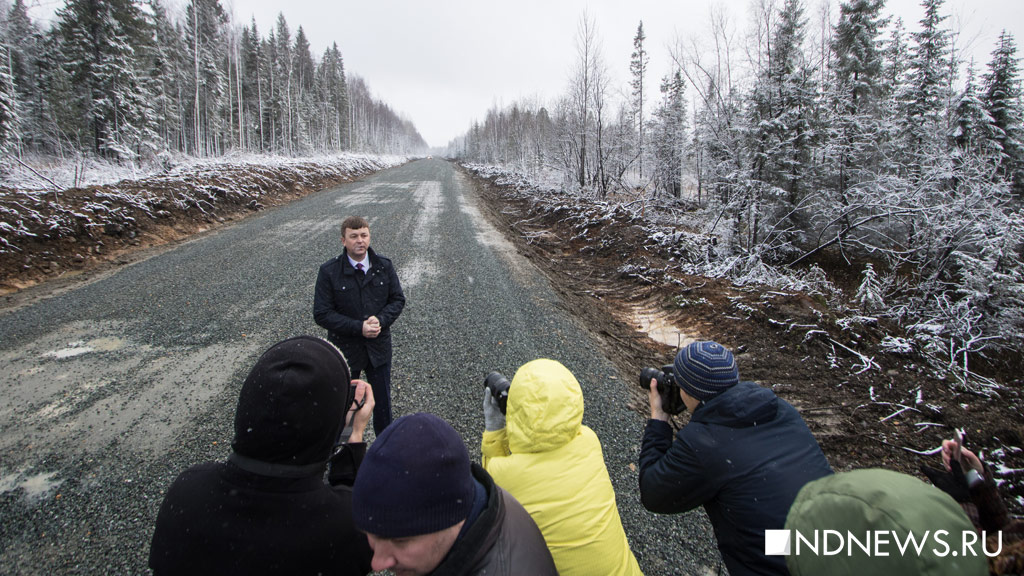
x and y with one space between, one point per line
38 173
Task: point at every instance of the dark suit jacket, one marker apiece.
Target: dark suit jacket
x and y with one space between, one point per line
343 301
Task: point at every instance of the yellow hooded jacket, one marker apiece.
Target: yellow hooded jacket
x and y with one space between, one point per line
553 465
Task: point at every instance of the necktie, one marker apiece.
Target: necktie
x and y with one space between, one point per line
359 268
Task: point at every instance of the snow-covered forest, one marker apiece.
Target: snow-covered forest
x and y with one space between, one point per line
128 81
835 152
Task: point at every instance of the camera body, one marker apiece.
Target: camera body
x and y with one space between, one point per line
498 385
668 389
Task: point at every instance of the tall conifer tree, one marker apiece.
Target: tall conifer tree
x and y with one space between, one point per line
1002 98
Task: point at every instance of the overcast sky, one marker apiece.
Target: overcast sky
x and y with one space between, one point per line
444 63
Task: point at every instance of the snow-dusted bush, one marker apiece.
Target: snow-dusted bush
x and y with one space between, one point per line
954 277
869 294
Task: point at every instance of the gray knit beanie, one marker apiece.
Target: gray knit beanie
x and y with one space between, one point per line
705 370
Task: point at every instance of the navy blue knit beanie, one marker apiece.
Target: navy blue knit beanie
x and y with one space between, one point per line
415 479
705 370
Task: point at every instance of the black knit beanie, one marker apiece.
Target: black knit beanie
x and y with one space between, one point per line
293 403
415 479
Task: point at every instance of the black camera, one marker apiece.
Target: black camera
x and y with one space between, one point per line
671 401
498 385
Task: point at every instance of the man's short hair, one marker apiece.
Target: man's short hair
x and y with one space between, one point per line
353 223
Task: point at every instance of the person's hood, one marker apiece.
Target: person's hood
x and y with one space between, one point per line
293 403
860 502
741 406
545 407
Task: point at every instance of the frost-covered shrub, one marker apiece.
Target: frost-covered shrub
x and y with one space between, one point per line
869 294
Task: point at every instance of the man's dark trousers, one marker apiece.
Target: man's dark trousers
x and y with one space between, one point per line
380 380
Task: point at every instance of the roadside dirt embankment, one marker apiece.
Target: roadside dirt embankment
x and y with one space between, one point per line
59 234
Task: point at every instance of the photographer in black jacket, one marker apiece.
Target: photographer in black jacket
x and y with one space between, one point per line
267 509
744 455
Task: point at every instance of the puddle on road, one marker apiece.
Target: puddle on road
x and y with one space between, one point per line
73 349
70 400
428 197
80 347
290 231
658 327
35 486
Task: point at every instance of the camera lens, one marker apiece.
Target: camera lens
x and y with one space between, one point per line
647 373
498 385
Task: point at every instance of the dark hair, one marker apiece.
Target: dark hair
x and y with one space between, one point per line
353 223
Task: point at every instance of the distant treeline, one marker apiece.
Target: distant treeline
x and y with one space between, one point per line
122 79
838 139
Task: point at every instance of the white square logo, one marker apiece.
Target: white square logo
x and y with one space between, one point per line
777 542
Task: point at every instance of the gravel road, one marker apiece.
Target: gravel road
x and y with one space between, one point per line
108 390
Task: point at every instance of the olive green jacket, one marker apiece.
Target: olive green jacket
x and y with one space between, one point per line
888 508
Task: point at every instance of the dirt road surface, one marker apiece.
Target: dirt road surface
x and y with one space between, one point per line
112 387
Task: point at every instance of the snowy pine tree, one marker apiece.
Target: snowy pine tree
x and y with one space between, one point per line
164 72
929 81
869 293
782 114
857 69
334 100
65 132
668 135
973 126
638 72
24 40
96 43
304 95
8 111
1002 98
204 34
252 87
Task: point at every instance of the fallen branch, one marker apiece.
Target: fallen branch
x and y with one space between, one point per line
867 362
52 183
900 411
820 408
931 452
902 408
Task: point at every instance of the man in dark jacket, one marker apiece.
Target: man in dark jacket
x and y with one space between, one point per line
267 510
744 455
357 299
427 510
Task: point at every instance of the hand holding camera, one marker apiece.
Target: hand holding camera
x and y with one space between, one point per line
664 391
361 409
495 401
